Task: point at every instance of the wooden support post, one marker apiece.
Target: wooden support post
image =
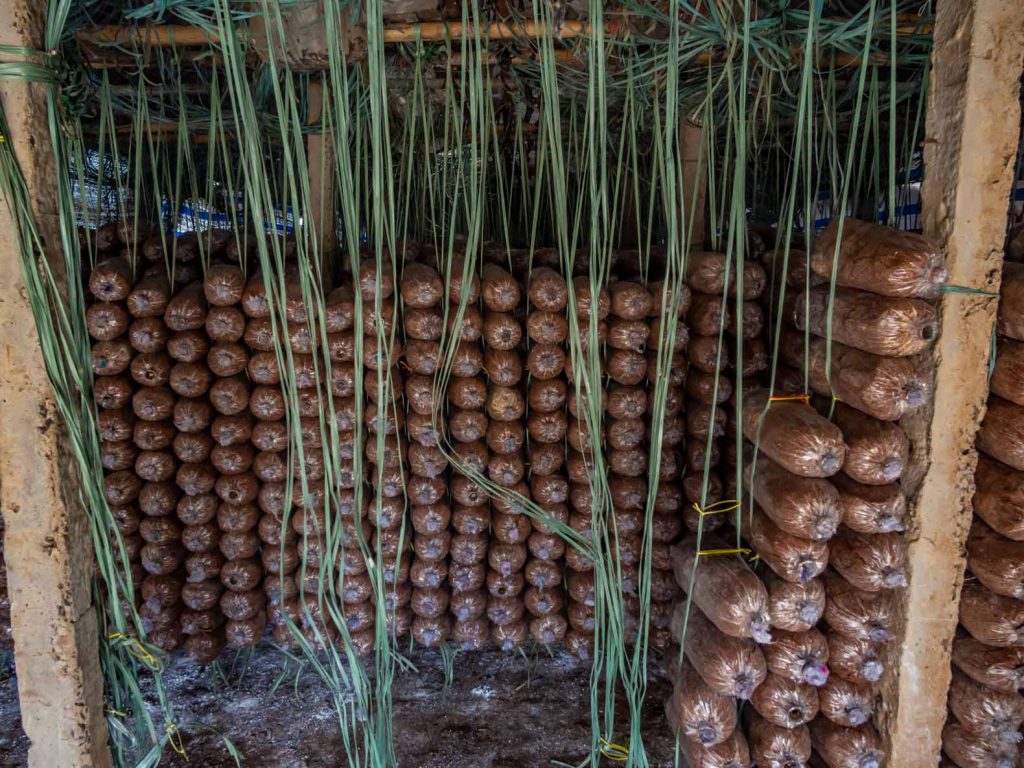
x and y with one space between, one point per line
972 124
695 181
47 541
322 213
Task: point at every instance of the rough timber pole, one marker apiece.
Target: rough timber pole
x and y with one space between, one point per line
49 556
320 162
972 123
695 181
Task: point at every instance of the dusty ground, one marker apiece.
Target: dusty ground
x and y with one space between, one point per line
501 711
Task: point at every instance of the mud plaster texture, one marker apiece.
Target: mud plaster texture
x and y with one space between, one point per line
501 711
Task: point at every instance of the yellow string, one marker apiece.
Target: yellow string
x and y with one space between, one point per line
116 712
804 398
729 551
136 649
718 508
174 739
614 752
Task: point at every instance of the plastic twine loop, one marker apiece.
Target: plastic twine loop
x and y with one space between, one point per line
136 649
175 740
805 398
718 508
617 753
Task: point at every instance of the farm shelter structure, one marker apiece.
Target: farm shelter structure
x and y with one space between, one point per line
425 383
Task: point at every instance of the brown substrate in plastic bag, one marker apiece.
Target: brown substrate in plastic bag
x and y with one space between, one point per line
696 713
1001 434
1011 301
846 703
732 753
871 508
996 561
794 607
877 452
969 750
792 558
991 714
890 327
993 619
802 506
999 497
867 615
1007 378
775 747
793 435
784 703
802 657
884 387
724 588
843 747
1001 669
730 666
870 561
854 658
879 259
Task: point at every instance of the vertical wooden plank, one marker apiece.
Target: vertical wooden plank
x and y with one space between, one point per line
695 181
972 124
47 541
323 212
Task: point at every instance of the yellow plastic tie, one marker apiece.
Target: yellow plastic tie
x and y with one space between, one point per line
724 551
804 398
136 649
174 739
617 753
116 712
3 138
718 508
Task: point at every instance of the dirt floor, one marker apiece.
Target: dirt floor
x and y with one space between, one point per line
500 711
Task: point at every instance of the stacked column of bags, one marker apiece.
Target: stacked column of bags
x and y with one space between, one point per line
986 708
378 521
275 570
423 317
671 502
708 388
547 329
882 317
115 339
584 407
242 604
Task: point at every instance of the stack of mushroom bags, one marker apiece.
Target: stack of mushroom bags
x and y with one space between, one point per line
986 708
821 511
868 378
